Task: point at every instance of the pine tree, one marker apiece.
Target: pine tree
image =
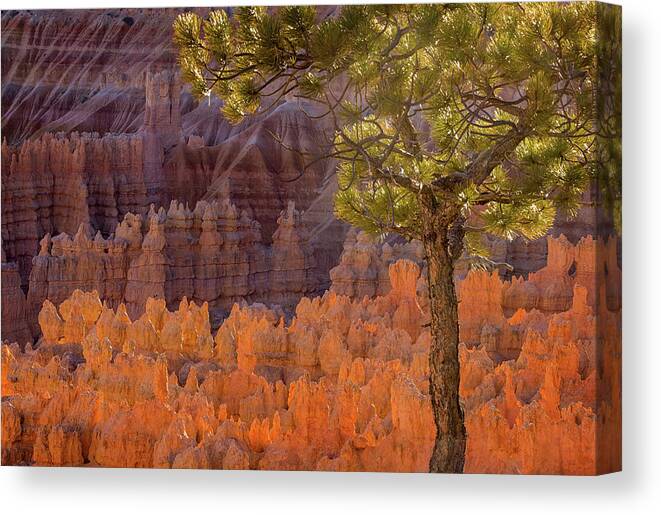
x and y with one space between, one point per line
449 122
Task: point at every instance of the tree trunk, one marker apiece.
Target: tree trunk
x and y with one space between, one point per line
450 444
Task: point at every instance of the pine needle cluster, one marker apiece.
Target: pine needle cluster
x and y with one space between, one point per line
499 116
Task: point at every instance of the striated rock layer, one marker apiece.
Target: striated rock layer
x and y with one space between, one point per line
81 70
342 386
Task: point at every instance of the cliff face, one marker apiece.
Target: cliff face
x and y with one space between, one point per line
57 182
97 125
80 70
342 386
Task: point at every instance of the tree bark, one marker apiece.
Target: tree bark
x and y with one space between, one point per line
440 248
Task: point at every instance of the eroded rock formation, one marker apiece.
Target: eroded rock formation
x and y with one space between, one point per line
58 182
342 386
15 326
363 267
91 136
211 254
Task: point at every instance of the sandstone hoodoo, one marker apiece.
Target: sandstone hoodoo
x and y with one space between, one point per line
341 386
285 270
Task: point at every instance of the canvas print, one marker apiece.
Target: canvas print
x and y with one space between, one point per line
381 238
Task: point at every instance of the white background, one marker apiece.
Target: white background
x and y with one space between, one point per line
636 490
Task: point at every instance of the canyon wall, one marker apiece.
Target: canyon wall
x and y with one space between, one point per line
80 70
56 182
97 124
342 386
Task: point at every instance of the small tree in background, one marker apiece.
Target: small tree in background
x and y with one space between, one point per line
448 122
